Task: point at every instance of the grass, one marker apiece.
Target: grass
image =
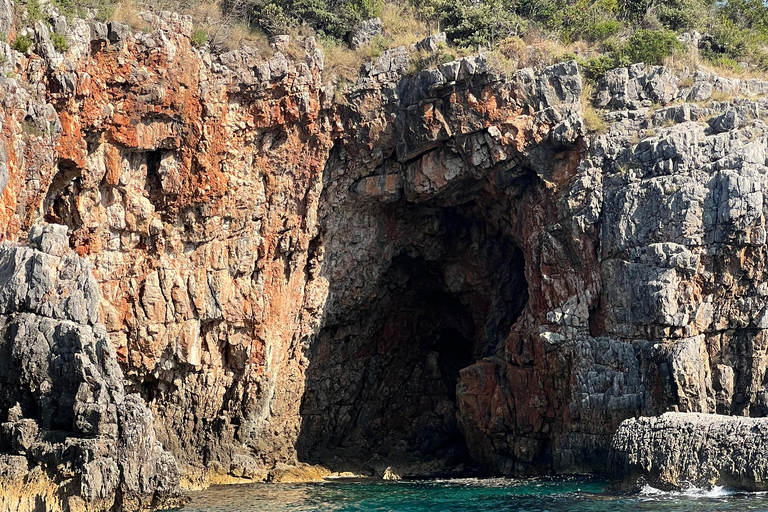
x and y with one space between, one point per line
422 60
224 30
401 25
341 64
128 12
593 121
722 96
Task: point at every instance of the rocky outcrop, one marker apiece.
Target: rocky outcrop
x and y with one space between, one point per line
434 269
71 436
682 449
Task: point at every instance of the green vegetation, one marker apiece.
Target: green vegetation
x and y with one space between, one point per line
199 37
599 34
34 12
330 19
22 44
59 42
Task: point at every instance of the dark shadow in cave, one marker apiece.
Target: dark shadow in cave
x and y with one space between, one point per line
381 382
59 205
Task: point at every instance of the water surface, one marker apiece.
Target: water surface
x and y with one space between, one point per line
465 495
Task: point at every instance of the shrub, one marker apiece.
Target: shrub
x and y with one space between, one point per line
513 48
199 38
595 67
59 42
681 15
470 24
34 12
590 21
329 19
649 46
22 44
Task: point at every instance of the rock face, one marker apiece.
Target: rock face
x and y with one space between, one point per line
73 436
676 449
440 268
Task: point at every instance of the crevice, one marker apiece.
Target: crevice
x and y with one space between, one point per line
60 203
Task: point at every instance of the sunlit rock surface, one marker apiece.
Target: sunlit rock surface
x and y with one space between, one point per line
434 271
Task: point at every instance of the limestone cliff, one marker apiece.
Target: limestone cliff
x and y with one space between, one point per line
435 269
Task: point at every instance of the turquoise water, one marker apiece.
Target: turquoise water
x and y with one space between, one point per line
465 495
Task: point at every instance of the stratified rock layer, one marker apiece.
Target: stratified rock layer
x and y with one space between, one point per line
677 450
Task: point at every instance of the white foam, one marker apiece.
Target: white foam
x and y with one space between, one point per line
692 491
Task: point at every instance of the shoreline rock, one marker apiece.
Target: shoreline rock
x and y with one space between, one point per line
676 450
71 437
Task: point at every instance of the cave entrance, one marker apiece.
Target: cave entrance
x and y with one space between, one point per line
382 377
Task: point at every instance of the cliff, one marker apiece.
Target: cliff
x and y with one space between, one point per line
435 269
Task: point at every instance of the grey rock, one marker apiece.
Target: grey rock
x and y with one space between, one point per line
3 176
365 32
99 30
680 449
431 43
50 238
44 45
280 42
6 15
726 121
117 32
62 386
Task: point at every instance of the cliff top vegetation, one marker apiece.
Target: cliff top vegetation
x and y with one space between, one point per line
599 34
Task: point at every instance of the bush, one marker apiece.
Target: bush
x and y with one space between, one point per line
199 38
329 19
22 44
513 48
59 42
649 46
590 21
34 12
681 15
470 24
595 67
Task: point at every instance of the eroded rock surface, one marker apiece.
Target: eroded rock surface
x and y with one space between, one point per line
676 450
438 270
76 439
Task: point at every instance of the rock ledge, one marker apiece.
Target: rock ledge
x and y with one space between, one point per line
679 449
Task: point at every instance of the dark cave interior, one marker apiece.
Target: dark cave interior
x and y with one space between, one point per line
381 382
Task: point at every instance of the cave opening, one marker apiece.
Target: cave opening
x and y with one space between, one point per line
381 385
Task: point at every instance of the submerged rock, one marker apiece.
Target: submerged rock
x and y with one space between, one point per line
677 450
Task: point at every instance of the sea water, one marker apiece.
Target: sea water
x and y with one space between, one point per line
464 495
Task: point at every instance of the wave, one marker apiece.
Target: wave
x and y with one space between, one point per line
691 491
